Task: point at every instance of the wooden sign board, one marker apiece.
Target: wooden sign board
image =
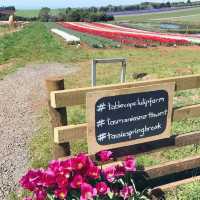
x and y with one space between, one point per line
124 117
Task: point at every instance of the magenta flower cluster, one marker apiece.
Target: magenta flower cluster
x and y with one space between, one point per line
80 178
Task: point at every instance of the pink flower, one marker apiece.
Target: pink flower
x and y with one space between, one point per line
104 155
109 173
77 181
79 162
54 165
61 193
61 180
130 164
48 178
102 188
87 191
40 194
126 192
93 172
64 172
31 180
120 171
67 164
89 162
60 167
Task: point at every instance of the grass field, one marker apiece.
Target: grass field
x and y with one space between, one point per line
20 47
3 29
188 19
161 15
35 44
27 13
34 12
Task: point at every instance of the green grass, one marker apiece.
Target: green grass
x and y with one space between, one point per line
3 28
42 138
27 13
34 44
186 192
34 12
153 16
184 19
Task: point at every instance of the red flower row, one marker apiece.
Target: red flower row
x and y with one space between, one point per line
126 37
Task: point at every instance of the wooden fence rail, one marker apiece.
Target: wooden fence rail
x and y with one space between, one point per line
74 132
78 96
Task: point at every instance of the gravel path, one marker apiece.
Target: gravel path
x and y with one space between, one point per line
21 94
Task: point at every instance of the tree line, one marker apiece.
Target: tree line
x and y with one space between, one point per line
92 14
68 14
75 15
145 6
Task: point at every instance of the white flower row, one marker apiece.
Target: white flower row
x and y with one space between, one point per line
68 37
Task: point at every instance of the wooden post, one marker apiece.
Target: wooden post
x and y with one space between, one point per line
58 116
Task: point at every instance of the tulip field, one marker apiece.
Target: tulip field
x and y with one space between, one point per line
130 36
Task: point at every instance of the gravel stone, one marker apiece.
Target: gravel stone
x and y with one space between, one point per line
21 96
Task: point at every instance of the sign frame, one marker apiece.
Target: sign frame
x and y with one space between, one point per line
93 97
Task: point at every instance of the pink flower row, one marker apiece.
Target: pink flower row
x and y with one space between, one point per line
79 176
119 34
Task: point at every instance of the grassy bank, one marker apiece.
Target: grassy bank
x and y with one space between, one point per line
34 44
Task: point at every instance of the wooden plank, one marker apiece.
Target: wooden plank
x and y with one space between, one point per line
70 133
175 184
58 116
173 167
78 96
186 112
160 172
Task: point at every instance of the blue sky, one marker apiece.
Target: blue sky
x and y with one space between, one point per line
29 4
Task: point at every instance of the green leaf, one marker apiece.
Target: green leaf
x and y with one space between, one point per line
110 195
50 197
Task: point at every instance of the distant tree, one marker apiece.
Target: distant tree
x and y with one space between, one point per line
189 2
61 16
103 9
168 4
9 8
93 9
44 14
73 16
93 17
